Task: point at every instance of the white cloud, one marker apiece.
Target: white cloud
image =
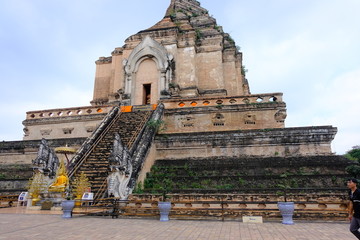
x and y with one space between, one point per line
14 112
66 96
309 51
336 105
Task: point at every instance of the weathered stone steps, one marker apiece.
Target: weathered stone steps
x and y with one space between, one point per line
96 166
237 174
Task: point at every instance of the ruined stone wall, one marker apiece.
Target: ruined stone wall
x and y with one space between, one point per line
18 157
23 152
213 119
148 163
63 123
185 67
102 80
14 178
201 70
224 114
232 72
209 69
117 73
64 129
304 141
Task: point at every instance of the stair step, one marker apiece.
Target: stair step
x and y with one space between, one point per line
227 174
96 166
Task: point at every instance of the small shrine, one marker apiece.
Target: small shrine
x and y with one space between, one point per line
47 190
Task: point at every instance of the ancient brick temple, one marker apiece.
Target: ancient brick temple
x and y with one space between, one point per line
188 63
190 66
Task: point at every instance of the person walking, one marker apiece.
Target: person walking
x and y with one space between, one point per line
354 207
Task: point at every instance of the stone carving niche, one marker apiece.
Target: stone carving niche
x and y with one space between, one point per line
148 67
280 116
218 120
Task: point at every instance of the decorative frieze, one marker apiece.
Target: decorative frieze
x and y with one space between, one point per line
68 112
45 131
215 101
67 130
234 206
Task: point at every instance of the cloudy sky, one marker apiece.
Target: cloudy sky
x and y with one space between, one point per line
307 49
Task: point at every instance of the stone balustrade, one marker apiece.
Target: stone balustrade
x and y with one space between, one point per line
216 101
68 112
207 206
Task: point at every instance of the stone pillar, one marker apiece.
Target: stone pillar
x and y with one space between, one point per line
164 85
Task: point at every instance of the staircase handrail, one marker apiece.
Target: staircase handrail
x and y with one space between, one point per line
87 147
132 143
144 140
101 190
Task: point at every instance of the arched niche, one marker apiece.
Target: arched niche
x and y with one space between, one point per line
149 56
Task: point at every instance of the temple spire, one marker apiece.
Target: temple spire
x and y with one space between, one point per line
188 7
170 8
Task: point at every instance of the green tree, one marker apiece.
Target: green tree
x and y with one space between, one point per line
354 155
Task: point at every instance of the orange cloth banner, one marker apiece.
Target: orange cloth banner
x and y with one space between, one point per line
126 108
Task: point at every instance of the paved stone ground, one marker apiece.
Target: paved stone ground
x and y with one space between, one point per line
54 227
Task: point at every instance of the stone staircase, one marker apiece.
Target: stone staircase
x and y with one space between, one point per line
96 165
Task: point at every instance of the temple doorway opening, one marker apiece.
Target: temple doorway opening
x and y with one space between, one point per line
146 83
147 94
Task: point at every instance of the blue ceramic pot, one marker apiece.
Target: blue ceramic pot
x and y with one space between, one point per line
67 207
287 211
164 208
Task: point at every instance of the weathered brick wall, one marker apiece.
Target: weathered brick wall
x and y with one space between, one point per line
281 142
14 178
23 152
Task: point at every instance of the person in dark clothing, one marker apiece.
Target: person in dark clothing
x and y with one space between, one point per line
354 207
